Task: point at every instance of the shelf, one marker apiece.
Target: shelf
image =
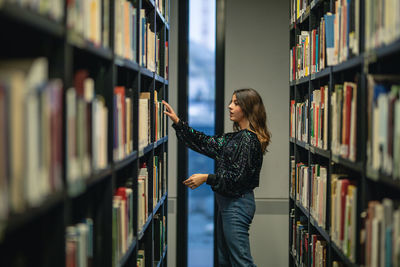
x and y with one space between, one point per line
146 72
315 3
303 80
302 144
355 166
323 73
98 176
160 16
292 26
128 253
292 140
321 230
32 19
146 150
383 178
305 15
79 42
158 78
160 141
304 210
343 257
126 63
148 221
159 204
126 161
16 221
291 198
348 64
384 51
319 151
151 2
292 83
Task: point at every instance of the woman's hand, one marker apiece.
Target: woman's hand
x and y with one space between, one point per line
195 180
170 112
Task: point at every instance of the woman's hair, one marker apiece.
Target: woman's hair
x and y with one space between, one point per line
253 109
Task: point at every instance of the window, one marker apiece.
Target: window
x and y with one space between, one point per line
201 117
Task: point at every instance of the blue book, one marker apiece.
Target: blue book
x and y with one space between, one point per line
329 38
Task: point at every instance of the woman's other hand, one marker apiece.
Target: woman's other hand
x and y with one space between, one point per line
170 112
195 180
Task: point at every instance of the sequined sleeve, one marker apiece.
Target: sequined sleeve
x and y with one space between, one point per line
210 146
238 172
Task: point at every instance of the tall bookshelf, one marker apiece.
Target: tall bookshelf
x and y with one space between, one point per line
70 133
337 164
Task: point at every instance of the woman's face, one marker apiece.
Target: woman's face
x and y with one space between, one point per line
235 111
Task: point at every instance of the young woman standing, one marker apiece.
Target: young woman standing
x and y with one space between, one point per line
239 156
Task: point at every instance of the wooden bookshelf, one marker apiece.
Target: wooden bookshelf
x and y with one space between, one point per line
38 234
371 184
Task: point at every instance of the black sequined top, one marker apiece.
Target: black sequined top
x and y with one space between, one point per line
238 158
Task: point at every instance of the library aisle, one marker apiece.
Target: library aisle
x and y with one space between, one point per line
83 137
344 133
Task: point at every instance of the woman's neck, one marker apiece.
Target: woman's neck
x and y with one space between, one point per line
244 124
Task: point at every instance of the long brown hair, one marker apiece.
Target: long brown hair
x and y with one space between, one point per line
253 109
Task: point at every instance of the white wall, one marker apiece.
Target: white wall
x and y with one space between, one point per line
256 56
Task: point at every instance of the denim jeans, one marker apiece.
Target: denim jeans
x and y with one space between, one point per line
234 217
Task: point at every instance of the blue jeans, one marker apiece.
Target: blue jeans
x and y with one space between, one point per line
234 217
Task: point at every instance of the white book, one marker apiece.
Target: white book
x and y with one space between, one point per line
82 230
396 140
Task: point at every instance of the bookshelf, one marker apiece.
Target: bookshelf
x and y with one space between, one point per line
83 178
343 86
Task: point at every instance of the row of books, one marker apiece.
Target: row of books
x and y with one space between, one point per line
345 30
299 119
160 119
335 40
122 224
125 28
380 234
87 131
344 214
300 241
298 8
344 120
79 244
90 19
52 9
302 184
381 23
317 195
31 134
318 198
159 237
292 186
319 117
143 199
318 251
158 190
300 57
383 146
123 119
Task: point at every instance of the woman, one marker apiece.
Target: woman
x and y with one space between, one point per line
239 157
